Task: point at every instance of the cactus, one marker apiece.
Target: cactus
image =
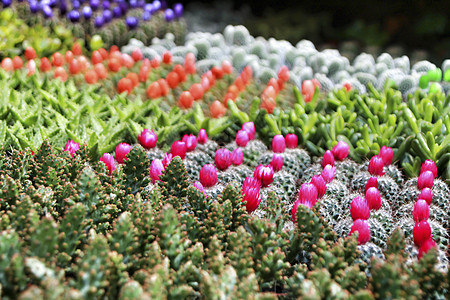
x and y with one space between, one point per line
136 170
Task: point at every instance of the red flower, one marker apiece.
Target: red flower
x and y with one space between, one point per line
426 246
277 162
249 127
208 175
191 142
179 148
109 161
222 159
421 233
278 144
308 194
328 159
264 174
320 184
376 165
156 169
242 138
421 211
202 137
386 154
373 198
340 151
372 182
72 147
426 180
148 139
359 209
427 195
363 229
250 190
291 141
429 165
121 152
328 173
237 157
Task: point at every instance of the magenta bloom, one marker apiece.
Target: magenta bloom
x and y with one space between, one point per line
320 184
121 152
264 174
222 159
148 139
199 187
426 180
308 194
421 211
156 169
250 190
191 142
237 157
328 173
250 128
376 165
242 138
179 148
427 195
167 159
387 154
291 141
328 159
277 162
363 229
202 137
109 161
421 233
295 208
373 198
372 182
340 151
72 147
278 144
429 165
359 209
426 246
208 175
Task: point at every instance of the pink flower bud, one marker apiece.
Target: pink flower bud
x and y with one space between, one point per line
237 157
156 169
340 151
291 141
264 174
372 182
191 142
426 246
277 162
250 190
250 128
363 229
72 147
199 187
242 138
320 184
222 159
109 161
278 144
179 148
208 175
421 211
359 209
373 198
148 139
295 208
376 165
202 137
386 154
427 195
167 159
421 233
429 165
328 173
121 152
426 180
308 193
328 159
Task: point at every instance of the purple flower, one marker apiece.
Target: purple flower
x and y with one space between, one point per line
169 15
132 22
178 10
87 12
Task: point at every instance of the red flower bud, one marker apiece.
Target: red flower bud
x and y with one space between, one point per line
386 154
72 147
121 152
291 141
277 162
426 180
264 174
421 211
376 165
202 136
156 169
308 194
320 184
426 246
295 208
359 209
363 229
242 138
421 233
328 159
427 195
278 144
373 198
208 175
250 128
328 173
340 151
250 190
372 182
109 161
179 148
191 142
148 139
237 157
429 165
222 159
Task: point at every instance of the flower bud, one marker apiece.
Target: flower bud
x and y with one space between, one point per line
199 187
191 142
373 198
427 195
359 209
421 233
376 165
340 151
421 211
202 136
426 246
308 193
72 147
109 161
328 173
250 190
426 180
277 162
222 159
208 175
372 182
429 165
363 229
295 208
386 155
264 174
121 152
328 159
278 144
156 169
148 139
291 141
250 128
320 184
167 159
179 148
242 138
237 157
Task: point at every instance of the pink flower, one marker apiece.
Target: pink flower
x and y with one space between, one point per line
179 148
328 173
421 233
121 152
421 211
291 141
264 174
386 154
250 128
295 208
429 165
376 165
156 169
340 151
328 159
427 195
208 175
278 143
320 184
363 229
308 194
199 187
359 209
277 162
237 157
222 159
250 190
202 137
242 138
426 246
373 198
72 147
372 182
191 142
148 139
426 180
109 161
167 159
